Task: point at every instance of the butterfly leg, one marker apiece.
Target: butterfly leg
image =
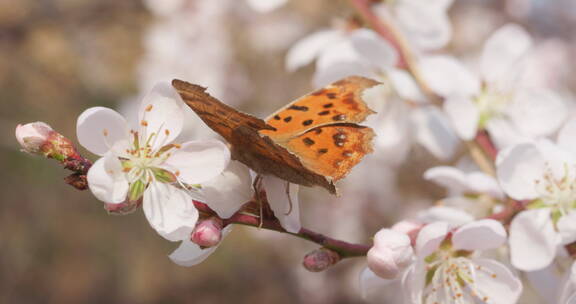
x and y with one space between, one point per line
289 198
257 185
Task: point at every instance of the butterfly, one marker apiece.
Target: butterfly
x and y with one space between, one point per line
313 141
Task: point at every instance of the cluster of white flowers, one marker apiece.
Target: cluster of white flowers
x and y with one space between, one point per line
518 216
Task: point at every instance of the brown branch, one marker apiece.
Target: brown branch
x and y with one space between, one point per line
344 249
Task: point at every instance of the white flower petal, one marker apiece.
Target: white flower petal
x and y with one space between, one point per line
434 132
338 70
426 25
307 49
405 85
341 51
464 116
504 133
518 168
370 283
169 211
449 177
503 53
480 182
161 114
496 282
226 193
448 77
567 227
285 205
567 136
199 161
373 48
107 181
537 112
450 215
479 235
533 240
430 237
189 254
99 128
266 6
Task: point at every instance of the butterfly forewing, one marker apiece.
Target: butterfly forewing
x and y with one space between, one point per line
339 102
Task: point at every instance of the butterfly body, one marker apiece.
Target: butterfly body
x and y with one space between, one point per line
313 141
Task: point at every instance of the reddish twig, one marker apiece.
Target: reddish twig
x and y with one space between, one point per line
344 249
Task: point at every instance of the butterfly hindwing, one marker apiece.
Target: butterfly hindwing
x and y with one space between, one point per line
332 150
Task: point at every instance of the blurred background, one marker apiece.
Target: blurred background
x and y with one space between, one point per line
59 57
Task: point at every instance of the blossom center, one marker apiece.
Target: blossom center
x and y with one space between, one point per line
558 193
491 104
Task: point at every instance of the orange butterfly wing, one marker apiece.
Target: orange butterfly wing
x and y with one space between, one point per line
321 127
313 141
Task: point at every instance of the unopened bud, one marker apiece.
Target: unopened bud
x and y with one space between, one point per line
320 259
391 254
40 138
33 136
208 232
408 227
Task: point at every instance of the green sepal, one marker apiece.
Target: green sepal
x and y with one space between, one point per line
136 190
163 176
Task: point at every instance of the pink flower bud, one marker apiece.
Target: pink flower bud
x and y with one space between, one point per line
391 254
320 259
33 136
408 227
208 232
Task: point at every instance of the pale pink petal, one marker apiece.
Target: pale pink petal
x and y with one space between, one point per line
189 254
107 181
504 132
266 6
308 48
448 77
373 48
479 235
430 237
434 132
496 282
464 116
374 287
518 168
567 136
567 228
503 52
537 112
161 115
339 52
169 211
227 192
533 240
283 200
99 128
391 254
198 161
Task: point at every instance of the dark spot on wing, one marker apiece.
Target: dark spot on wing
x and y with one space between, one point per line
339 139
276 117
307 122
328 105
288 119
324 113
298 108
322 151
318 131
307 141
339 117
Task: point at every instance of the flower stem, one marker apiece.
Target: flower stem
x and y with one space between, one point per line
388 31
